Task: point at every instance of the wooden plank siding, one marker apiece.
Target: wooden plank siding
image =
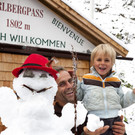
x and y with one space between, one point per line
8 62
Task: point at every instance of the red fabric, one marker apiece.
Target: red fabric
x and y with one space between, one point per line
36 61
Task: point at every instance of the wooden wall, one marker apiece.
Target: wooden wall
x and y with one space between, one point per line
10 61
7 63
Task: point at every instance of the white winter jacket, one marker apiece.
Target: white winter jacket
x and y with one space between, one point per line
103 97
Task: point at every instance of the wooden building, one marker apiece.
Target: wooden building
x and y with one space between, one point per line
49 28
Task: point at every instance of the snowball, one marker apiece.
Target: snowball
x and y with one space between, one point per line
94 122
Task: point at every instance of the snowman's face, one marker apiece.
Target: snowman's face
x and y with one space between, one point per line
32 81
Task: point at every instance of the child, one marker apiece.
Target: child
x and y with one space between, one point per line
100 91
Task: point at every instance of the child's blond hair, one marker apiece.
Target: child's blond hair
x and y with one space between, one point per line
105 49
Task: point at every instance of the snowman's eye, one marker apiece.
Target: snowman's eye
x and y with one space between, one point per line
44 75
28 73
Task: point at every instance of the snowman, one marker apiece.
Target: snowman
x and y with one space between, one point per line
28 108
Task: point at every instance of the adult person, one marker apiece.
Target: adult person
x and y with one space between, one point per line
65 94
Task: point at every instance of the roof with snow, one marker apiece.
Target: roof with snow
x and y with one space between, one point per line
86 28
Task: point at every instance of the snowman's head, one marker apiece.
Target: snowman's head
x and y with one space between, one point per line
35 76
33 82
